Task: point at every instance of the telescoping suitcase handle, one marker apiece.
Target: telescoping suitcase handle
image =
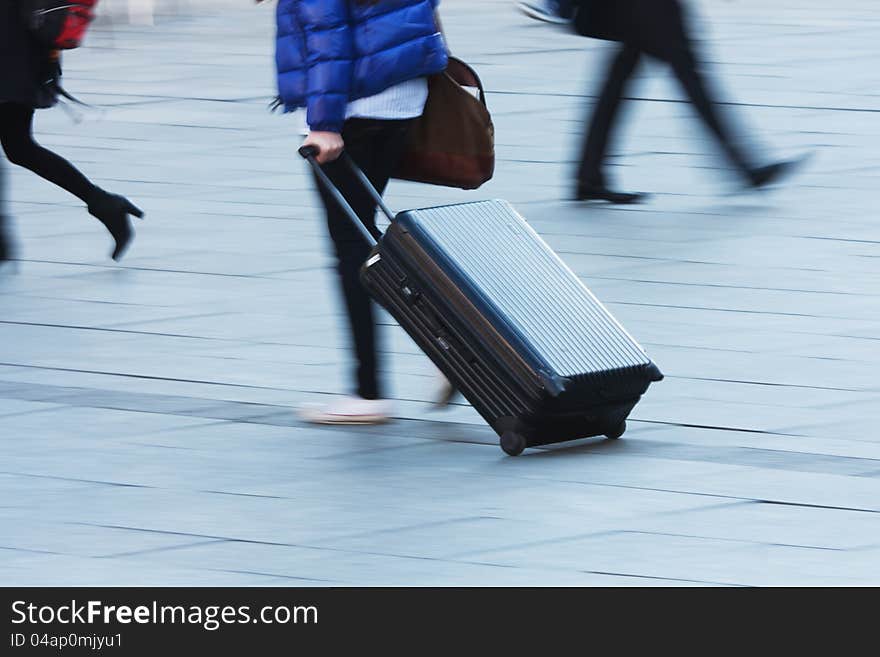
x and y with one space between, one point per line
310 153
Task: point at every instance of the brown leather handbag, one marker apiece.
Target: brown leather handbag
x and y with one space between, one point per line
453 142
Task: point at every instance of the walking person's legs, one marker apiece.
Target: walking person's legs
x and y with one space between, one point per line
16 134
16 137
591 180
669 40
375 146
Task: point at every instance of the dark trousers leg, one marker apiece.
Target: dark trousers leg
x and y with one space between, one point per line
604 116
375 146
686 69
664 29
16 137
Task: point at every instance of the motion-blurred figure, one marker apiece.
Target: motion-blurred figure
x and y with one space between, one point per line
29 78
549 11
658 28
6 247
359 67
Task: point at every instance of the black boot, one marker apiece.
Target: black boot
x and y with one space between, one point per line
599 192
767 175
112 210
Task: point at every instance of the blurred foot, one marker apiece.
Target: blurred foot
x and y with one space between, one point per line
549 11
601 193
446 392
348 410
113 210
773 173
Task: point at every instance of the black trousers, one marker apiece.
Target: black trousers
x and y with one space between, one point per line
376 147
658 28
16 137
5 239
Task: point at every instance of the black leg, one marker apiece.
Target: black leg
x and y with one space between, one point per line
16 136
375 146
664 28
604 116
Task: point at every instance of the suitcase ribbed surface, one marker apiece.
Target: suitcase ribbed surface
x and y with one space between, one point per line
514 270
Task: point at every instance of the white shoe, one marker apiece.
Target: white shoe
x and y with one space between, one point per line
348 410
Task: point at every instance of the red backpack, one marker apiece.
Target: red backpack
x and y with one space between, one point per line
59 24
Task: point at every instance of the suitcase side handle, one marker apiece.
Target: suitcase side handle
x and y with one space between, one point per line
309 153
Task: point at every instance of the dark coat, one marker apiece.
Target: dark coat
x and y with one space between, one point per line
657 27
604 19
27 72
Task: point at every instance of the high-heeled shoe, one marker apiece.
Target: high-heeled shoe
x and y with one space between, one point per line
112 210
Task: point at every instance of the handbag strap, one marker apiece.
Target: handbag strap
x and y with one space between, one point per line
442 32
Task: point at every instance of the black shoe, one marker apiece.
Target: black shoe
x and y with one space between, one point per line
772 173
112 210
7 249
601 193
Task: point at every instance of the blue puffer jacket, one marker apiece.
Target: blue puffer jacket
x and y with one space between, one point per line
329 52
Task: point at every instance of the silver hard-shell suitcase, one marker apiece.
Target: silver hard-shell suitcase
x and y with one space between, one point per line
504 318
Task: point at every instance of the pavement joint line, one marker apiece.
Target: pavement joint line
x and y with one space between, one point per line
731 286
818 506
674 491
158 446
629 256
141 376
10 416
317 548
733 540
272 575
117 330
725 350
662 578
407 528
76 479
681 101
28 550
123 267
425 442
768 383
176 318
720 428
591 535
219 539
254 495
727 310
814 454
167 548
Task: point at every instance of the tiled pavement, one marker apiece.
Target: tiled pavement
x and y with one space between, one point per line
146 425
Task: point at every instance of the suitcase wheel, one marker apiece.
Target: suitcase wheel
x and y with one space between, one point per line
513 443
617 432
